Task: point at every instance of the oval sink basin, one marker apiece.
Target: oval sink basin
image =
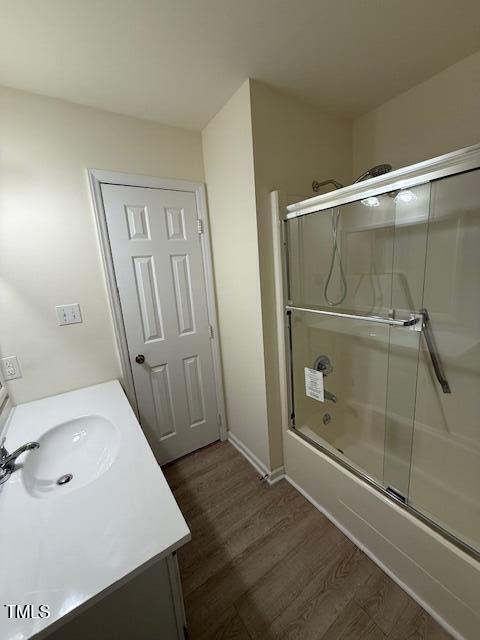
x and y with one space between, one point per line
71 455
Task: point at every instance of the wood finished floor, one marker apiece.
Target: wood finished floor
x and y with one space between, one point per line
264 564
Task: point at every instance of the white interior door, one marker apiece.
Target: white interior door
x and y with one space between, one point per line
157 257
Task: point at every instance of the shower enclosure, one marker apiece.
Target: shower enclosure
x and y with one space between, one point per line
384 362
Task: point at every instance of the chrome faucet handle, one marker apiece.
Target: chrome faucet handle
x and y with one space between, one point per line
7 460
4 470
323 364
11 457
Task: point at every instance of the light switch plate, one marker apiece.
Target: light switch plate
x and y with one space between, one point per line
10 368
68 314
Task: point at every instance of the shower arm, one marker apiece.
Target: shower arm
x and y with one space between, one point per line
316 186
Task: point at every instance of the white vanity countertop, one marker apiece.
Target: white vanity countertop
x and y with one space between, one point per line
64 548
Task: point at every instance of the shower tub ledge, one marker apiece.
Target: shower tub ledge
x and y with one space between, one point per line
68 546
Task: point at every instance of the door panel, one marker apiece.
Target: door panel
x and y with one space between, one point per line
159 271
351 421
148 299
183 293
366 261
445 471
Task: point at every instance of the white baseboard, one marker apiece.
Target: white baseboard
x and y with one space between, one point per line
276 475
256 463
374 558
270 476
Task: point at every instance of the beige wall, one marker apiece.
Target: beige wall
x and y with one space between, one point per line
49 251
294 143
229 170
434 117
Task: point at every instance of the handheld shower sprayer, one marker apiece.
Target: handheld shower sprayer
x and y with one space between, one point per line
373 172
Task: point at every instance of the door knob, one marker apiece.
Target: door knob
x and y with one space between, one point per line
140 359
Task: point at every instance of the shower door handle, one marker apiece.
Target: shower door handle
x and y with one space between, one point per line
417 322
433 351
414 322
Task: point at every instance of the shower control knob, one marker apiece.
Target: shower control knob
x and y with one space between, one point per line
140 359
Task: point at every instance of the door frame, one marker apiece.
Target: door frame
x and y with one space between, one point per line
97 177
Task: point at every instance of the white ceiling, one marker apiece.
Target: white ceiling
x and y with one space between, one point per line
178 61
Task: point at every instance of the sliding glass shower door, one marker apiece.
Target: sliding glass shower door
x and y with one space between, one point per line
383 304
365 262
445 462
353 357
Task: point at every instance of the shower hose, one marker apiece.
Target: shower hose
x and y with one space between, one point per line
335 256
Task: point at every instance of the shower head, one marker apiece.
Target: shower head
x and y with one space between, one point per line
379 170
316 186
374 172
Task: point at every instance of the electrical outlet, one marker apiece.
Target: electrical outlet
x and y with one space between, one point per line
68 314
10 368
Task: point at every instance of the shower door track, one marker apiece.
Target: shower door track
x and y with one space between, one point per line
375 484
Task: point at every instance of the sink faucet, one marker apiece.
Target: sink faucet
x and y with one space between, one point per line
7 460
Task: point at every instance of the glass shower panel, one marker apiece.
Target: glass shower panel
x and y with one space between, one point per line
411 226
341 260
364 237
366 259
354 356
445 468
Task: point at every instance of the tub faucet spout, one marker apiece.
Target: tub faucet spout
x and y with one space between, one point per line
330 396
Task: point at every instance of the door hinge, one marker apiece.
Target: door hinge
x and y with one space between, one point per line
219 420
210 331
200 227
